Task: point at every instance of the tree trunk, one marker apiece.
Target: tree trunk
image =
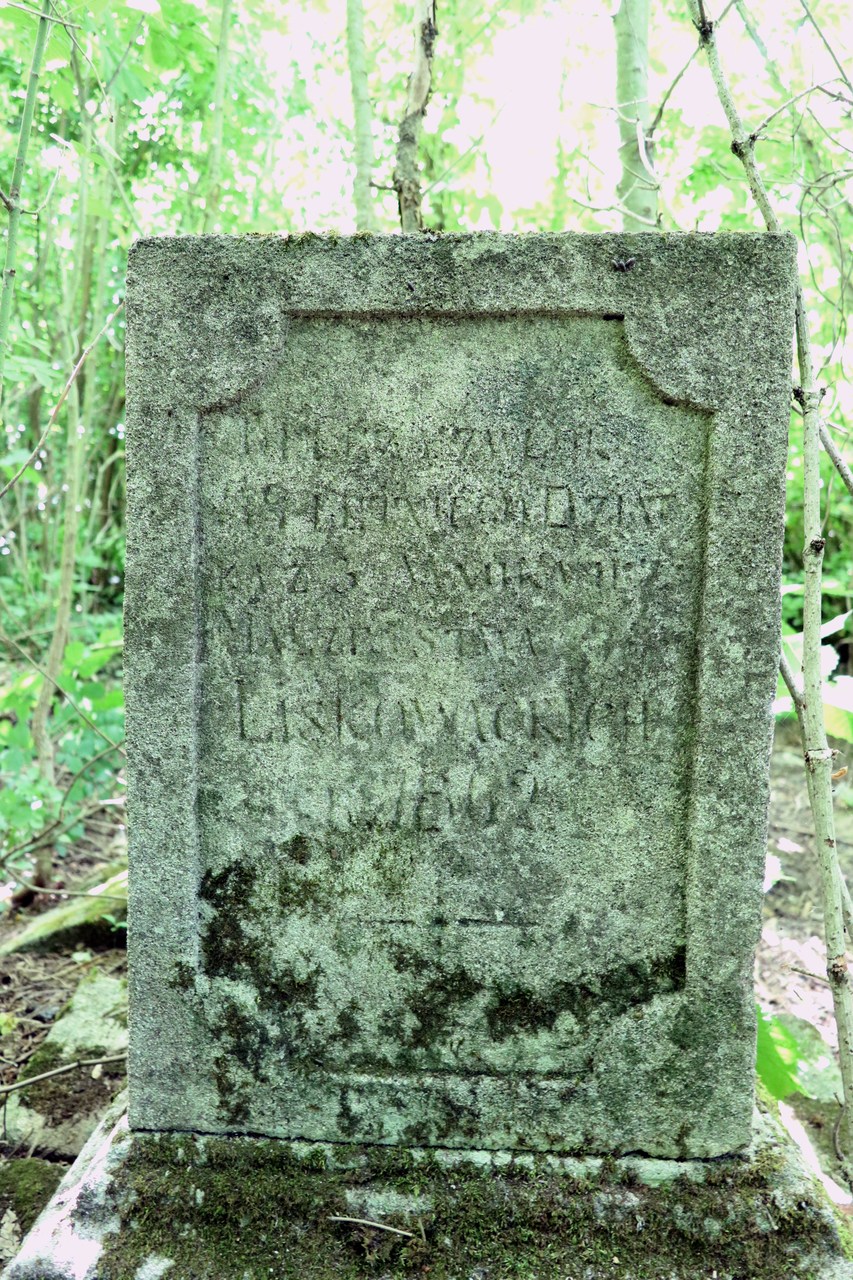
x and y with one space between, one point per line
406 180
637 190
214 182
362 135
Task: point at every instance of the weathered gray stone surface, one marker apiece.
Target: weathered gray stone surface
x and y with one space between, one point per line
452 616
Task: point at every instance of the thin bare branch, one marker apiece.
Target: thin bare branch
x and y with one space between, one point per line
53 830
794 686
49 834
366 1222
829 49
67 696
34 213
92 894
785 105
835 454
69 384
34 13
61 1071
608 208
460 159
658 116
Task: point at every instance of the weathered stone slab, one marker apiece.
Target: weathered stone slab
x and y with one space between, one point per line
452 617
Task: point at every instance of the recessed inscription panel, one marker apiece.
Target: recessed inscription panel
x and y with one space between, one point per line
450 585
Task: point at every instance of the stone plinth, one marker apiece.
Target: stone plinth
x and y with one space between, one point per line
183 1207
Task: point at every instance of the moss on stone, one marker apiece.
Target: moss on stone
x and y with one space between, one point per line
237 1209
74 1093
26 1186
46 1057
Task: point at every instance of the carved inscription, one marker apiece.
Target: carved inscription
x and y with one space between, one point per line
547 506
451 588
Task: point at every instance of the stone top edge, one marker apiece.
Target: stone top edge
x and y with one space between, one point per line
667 287
784 245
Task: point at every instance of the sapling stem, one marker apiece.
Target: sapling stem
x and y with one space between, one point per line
12 201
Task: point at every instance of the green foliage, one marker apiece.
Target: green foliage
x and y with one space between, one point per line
121 147
777 1057
30 804
792 1057
837 688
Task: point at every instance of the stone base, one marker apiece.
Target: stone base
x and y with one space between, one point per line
187 1207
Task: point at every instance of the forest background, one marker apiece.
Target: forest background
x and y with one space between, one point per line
188 116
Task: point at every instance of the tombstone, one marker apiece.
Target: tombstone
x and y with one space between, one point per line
452 632
453 615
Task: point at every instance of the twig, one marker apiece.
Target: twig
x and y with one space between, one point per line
674 85
794 686
83 54
785 105
609 208
59 1071
59 689
69 384
34 13
34 213
807 11
835 454
459 159
66 893
51 832
835 1131
131 42
815 977
365 1222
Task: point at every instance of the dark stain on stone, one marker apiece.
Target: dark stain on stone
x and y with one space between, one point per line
610 994
435 1003
249 1036
183 976
348 1025
225 946
348 1122
233 1102
298 850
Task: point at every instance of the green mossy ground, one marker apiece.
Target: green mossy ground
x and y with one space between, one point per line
64 1097
239 1210
26 1186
